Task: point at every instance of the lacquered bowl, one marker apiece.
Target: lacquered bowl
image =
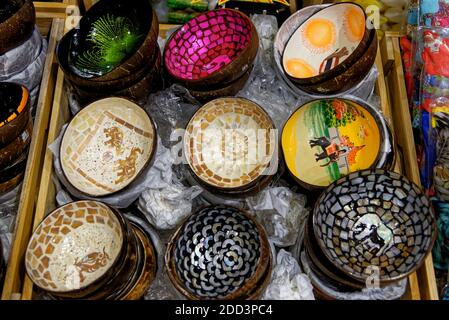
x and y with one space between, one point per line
125 44
326 139
12 152
325 44
106 146
214 48
352 75
14 111
230 145
139 90
12 175
374 220
227 91
219 252
17 19
76 248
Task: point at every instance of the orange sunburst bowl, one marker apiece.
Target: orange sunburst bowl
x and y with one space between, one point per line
326 44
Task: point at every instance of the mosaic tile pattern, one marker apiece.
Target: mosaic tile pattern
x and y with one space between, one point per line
74 245
374 218
207 43
229 142
217 251
106 146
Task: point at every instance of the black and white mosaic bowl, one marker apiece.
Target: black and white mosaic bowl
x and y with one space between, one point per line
220 252
374 222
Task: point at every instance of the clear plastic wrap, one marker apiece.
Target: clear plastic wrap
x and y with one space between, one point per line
19 58
282 212
287 280
31 76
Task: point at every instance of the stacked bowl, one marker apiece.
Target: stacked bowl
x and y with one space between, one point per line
113 51
370 228
219 253
231 147
212 55
325 50
326 139
16 128
22 48
106 147
2 266
87 250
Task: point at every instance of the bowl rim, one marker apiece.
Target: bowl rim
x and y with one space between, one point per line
265 257
339 68
370 53
379 120
25 112
105 274
16 147
381 280
154 26
211 77
243 186
138 173
27 8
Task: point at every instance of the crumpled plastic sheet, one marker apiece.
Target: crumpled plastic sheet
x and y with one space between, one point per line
166 207
153 176
390 292
287 280
31 76
171 109
9 203
281 212
16 60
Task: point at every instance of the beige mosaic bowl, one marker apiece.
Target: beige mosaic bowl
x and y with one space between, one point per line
106 146
77 246
230 144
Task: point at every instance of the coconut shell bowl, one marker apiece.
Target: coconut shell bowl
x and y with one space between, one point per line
326 139
113 49
16 128
374 219
219 253
17 19
87 250
211 51
230 145
329 64
106 146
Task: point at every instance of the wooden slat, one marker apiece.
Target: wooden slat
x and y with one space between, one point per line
404 138
24 220
47 193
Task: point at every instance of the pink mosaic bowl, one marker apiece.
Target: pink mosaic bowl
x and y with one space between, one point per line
214 48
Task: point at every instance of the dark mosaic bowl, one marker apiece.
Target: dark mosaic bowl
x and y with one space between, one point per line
14 111
17 19
214 48
220 252
374 218
321 266
136 24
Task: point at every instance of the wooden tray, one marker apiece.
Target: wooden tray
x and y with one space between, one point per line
50 20
394 79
